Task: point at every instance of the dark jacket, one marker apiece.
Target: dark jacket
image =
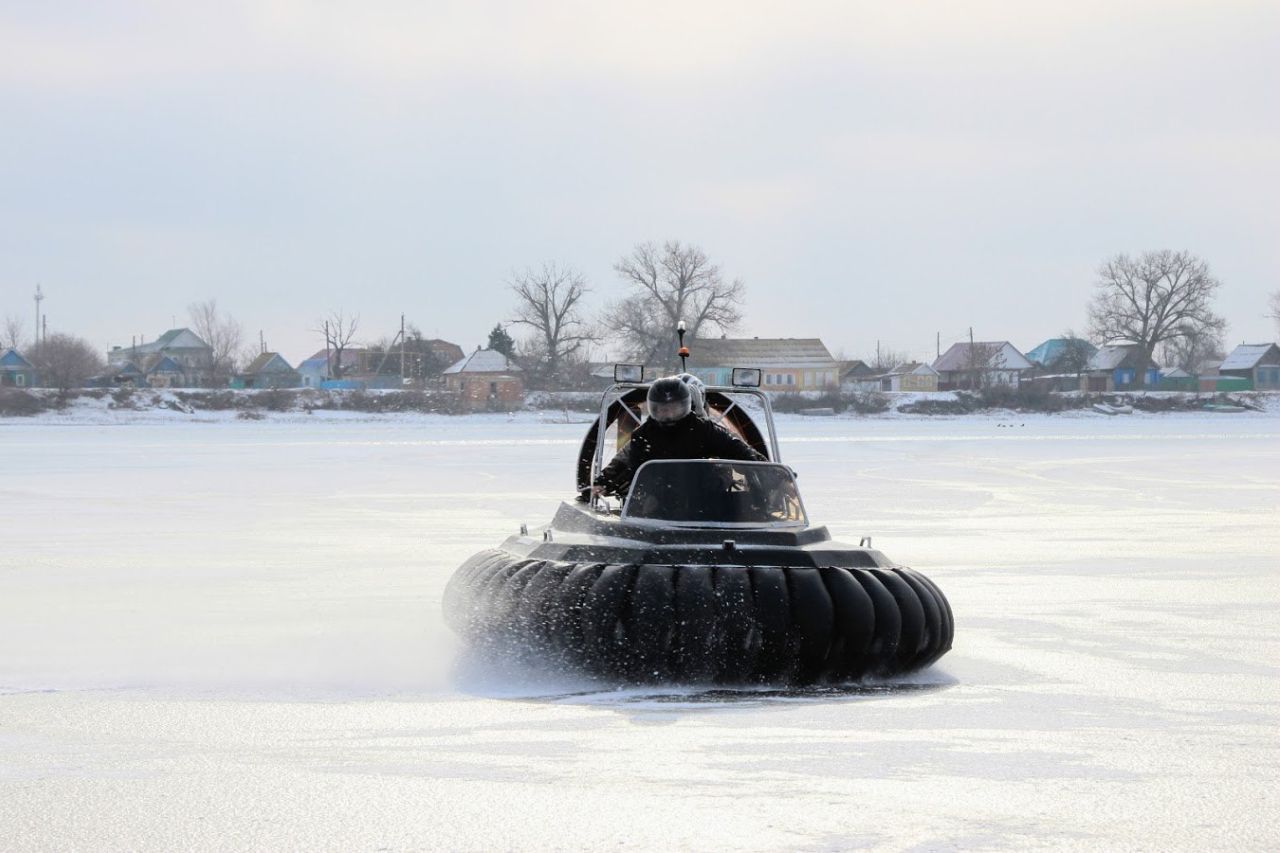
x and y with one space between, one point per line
691 437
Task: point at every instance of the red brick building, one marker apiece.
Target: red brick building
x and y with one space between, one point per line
486 380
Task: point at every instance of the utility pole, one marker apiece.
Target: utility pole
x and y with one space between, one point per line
328 363
973 363
938 347
262 342
44 336
402 350
39 299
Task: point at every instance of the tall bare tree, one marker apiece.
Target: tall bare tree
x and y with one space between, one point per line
12 332
1154 298
549 303
671 283
64 361
223 333
338 329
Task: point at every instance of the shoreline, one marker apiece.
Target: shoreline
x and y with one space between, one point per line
44 407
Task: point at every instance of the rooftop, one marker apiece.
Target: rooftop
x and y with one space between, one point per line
260 363
483 361
760 352
1005 356
1113 356
1246 356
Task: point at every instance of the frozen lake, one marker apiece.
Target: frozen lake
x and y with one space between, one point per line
228 635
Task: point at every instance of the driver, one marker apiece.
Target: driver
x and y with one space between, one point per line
672 431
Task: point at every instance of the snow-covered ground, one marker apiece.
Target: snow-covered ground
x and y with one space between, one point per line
228 635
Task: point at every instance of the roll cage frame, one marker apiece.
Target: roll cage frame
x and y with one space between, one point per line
617 393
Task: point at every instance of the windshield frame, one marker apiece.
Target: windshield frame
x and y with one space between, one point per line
790 475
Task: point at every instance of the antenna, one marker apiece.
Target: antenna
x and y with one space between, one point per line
683 352
39 299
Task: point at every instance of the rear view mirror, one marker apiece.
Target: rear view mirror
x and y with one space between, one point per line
746 377
628 373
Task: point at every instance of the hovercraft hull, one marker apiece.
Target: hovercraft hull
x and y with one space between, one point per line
745 613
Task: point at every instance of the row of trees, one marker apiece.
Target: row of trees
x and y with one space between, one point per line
1160 301
664 284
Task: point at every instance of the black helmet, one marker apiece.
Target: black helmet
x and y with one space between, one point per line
669 400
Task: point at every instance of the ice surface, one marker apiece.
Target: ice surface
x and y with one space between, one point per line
227 635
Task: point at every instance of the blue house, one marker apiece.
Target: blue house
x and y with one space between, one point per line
164 371
1114 368
268 370
318 371
129 376
16 371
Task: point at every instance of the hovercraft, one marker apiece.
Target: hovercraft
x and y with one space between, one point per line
708 571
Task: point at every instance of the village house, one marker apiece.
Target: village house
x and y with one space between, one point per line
16 371
785 364
364 368
1258 363
315 369
854 374
268 370
1176 380
910 376
1051 355
486 379
1114 368
445 352
981 364
177 359
359 370
162 371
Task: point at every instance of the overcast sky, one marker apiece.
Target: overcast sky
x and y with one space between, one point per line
871 171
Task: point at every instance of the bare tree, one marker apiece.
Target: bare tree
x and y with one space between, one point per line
338 330
980 363
224 335
1188 351
1075 355
1274 308
672 283
12 333
549 302
65 361
886 358
1154 298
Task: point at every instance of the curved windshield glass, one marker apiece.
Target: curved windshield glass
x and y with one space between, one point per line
714 492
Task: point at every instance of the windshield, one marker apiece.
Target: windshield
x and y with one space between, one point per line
743 411
713 493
